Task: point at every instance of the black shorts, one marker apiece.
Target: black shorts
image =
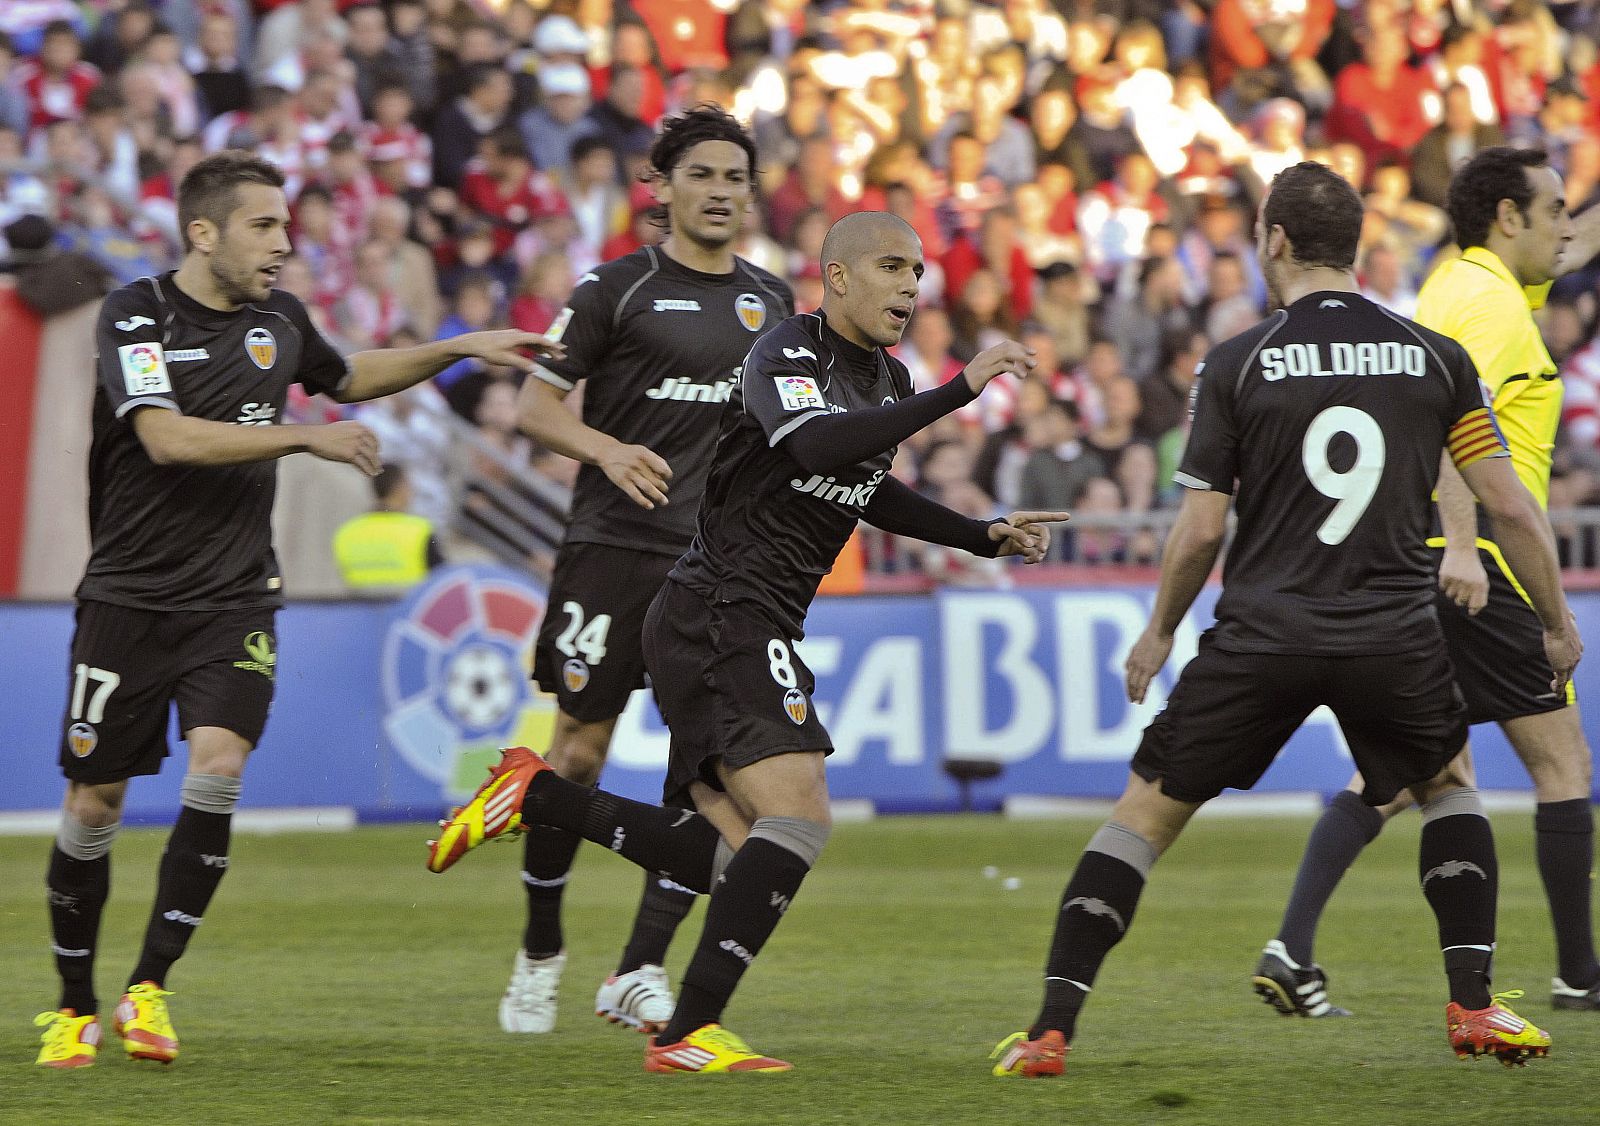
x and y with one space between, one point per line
1498 652
1231 713
588 654
129 666
730 687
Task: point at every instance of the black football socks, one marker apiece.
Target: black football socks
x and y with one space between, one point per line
1346 827
1564 845
662 907
1096 910
195 860
756 889
547 854
1461 880
678 843
78 890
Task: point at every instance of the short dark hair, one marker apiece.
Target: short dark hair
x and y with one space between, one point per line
210 190
1319 212
583 146
1481 183
682 132
389 480
704 122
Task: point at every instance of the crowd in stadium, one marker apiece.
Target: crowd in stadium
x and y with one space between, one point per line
1083 174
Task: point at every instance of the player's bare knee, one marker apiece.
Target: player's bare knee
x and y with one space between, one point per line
578 750
215 750
95 806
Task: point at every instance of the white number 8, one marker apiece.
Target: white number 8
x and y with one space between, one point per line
1353 488
778 664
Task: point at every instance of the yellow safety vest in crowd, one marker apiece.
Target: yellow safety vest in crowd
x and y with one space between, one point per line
383 549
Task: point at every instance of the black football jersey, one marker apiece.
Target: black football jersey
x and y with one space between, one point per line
768 530
1331 416
183 537
659 347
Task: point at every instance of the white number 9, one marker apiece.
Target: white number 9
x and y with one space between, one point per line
1354 487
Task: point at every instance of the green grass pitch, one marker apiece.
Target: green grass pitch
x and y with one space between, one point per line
336 981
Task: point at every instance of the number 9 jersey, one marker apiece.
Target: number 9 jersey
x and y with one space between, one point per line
1326 421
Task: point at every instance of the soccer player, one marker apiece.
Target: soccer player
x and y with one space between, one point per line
658 337
803 454
178 600
1327 422
1511 221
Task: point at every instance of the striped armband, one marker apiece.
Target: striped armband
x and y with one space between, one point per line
1475 436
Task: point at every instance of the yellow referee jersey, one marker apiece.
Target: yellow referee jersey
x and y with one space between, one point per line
1475 300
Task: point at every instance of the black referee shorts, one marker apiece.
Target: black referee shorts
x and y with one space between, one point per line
588 654
1498 653
729 685
1231 713
128 668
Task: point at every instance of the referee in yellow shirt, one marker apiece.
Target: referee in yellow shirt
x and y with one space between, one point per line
1516 235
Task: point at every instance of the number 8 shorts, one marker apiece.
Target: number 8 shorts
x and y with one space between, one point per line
588 654
730 687
129 667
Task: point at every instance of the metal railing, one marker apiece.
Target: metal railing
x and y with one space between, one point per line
523 514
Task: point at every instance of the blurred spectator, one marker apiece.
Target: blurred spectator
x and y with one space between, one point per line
1265 48
1562 121
1141 322
1115 216
377 61
323 244
413 430
371 311
618 118
560 118
1382 104
545 288
1130 461
810 184
1061 465
475 308
408 26
56 84
994 247
47 278
1061 309
1041 241
391 548
1229 308
1052 113
1164 398
1008 145
1102 130
981 315
598 201
401 155
287 32
467 120
1004 454
411 272
1450 144
503 187
1383 279
1280 126
219 73
925 349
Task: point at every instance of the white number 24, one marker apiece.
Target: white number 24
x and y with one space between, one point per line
590 640
1353 488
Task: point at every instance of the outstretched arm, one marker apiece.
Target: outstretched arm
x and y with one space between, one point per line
385 371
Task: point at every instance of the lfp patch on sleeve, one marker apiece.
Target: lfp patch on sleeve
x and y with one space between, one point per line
144 369
799 392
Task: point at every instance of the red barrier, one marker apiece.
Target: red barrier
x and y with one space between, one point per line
22 330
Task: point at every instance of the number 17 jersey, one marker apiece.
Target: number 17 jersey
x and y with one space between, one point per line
1327 421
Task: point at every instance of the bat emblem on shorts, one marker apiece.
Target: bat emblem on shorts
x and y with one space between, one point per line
1097 907
1453 868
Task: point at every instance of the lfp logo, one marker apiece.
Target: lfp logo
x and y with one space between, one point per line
455 675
